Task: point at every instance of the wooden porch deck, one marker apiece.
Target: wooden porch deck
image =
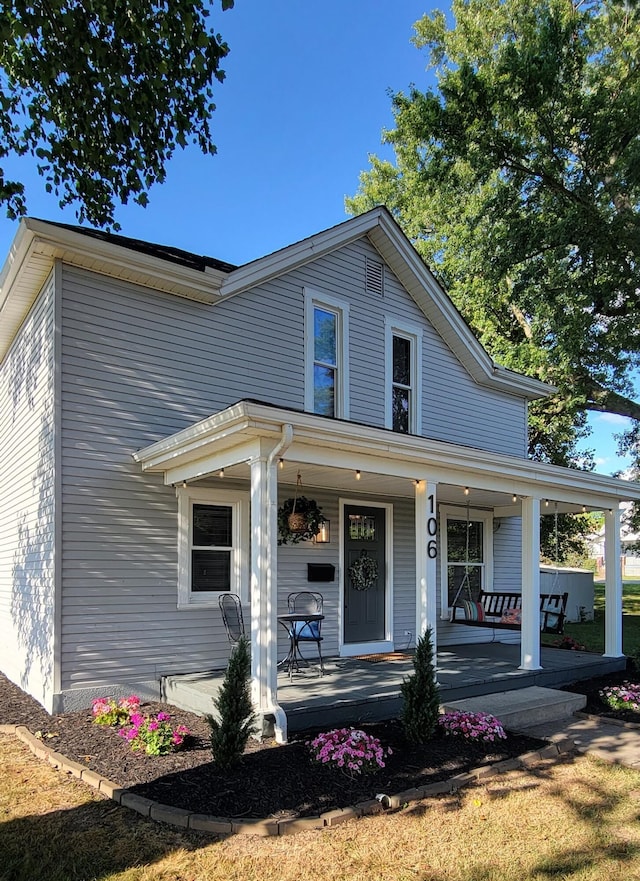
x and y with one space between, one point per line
354 691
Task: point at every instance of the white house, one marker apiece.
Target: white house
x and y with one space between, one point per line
133 376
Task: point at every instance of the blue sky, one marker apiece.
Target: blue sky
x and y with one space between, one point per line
304 103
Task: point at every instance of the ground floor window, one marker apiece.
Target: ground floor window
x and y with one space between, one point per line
212 545
466 554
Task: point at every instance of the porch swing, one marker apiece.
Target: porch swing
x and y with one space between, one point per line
502 610
470 606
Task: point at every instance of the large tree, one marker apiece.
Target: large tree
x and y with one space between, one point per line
102 92
518 179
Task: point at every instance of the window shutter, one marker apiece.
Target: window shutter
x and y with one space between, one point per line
374 277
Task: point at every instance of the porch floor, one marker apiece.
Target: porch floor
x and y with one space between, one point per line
353 691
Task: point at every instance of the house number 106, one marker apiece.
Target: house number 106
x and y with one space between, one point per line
432 528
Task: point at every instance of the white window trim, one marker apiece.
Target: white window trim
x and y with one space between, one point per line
239 503
313 298
448 512
413 333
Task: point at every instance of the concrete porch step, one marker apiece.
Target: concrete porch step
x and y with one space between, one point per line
193 692
523 708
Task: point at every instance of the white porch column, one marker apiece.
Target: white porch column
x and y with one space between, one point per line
264 586
613 585
426 560
530 627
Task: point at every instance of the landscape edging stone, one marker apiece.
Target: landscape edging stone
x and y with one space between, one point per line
182 818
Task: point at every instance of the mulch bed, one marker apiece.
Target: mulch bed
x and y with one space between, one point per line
272 780
591 688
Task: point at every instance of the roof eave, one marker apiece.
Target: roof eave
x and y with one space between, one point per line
36 246
396 249
246 418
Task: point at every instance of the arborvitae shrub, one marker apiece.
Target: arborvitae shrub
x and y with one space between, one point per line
421 695
237 720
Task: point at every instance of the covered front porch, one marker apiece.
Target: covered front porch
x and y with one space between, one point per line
354 691
418 482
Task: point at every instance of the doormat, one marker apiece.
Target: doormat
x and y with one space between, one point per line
384 656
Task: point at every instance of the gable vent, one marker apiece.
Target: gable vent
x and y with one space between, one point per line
374 277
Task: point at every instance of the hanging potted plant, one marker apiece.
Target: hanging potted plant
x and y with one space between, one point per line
299 518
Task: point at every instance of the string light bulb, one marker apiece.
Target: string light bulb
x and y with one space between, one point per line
280 464
466 490
358 475
221 473
184 484
514 498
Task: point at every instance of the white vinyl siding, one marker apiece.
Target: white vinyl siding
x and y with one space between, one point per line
454 407
27 509
137 366
507 554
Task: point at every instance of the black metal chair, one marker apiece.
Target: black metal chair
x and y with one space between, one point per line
231 609
307 602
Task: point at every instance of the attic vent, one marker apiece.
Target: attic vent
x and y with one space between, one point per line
374 281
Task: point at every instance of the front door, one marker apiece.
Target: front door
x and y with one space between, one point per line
364 574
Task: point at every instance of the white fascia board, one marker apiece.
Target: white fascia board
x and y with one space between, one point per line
39 237
340 444
438 307
16 299
287 259
111 258
224 429
37 244
14 260
394 247
205 465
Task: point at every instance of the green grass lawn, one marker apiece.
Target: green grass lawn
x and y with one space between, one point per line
591 633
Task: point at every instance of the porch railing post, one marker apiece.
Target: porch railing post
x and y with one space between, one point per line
264 585
426 560
613 585
530 626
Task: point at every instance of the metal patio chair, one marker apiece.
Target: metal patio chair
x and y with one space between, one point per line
307 602
231 609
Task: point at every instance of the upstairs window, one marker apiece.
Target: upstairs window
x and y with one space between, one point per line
402 379
403 361
325 361
326 333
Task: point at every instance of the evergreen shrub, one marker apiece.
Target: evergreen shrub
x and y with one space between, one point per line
236 719
421 695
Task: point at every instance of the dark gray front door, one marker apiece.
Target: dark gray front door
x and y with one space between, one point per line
364 605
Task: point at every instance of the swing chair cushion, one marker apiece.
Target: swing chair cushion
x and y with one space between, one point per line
473 611
512 616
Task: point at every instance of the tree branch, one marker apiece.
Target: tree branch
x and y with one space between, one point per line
604 400
518 314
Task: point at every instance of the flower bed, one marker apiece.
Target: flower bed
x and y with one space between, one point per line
271 780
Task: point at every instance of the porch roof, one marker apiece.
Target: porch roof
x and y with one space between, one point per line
332 450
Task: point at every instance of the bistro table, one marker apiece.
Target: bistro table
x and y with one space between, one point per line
294 656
